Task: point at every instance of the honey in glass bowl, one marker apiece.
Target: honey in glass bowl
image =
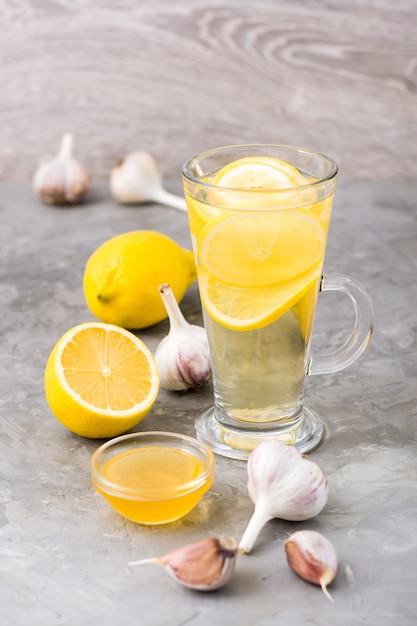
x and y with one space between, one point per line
152 477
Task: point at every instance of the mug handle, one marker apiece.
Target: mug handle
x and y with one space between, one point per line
362 329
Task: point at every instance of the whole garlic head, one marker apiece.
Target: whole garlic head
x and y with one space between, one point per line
282 484
62 180
183 356
137 178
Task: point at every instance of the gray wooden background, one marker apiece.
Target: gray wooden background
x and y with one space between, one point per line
175 77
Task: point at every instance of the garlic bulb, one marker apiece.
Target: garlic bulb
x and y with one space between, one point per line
182 357
205 565
137 178
284 484
313 557
62 180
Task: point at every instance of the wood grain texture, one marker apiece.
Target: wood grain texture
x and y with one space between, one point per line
176 77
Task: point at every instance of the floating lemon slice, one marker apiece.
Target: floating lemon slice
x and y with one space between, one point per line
258 258
240 308
262 249
259 173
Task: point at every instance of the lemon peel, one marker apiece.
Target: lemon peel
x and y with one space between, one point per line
122 276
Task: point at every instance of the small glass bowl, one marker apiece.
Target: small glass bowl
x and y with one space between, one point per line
152 477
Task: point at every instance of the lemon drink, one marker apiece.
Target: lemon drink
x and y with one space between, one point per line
259 228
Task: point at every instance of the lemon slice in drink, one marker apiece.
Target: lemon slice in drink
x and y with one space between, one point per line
254 266
262 249
249 308
259 173
257 262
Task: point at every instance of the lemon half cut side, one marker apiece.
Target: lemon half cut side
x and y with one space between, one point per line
100 380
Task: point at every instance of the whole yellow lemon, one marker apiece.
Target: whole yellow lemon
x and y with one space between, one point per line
122 277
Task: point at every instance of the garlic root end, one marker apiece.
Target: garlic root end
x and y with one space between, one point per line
323 585
143 562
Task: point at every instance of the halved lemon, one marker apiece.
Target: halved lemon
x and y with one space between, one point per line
261 249
100 380
249 308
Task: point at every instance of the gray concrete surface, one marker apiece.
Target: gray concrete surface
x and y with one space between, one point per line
64 553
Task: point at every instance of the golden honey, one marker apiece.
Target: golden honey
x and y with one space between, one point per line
153 484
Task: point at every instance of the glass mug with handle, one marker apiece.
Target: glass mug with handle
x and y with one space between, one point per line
259 217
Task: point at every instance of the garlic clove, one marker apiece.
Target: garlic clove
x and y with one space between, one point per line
205 565
183 356
281 484
313 557
62 180
137 179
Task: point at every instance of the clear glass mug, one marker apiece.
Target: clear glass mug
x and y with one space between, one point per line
259 230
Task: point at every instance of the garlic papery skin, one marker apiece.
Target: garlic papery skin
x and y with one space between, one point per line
282 484
62 180
183 356
205 565
313 557
137 179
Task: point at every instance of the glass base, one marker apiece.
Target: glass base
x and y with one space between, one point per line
238 443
